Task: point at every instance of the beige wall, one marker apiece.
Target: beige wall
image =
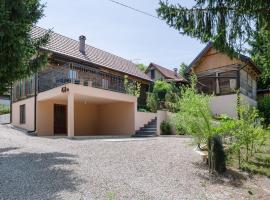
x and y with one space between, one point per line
143 118
45 116
29 113
116 119
86 119
214 59
158 75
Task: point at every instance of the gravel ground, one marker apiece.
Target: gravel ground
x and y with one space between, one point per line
154 168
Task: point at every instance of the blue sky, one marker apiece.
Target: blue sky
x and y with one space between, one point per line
121 31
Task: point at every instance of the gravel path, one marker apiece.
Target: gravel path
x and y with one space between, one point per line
154 168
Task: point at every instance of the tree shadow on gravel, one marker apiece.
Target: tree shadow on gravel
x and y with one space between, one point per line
230 177
36 175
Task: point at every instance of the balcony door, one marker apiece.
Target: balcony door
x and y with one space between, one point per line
60 119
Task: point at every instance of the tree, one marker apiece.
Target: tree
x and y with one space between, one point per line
142 67
183 69
195 118
19 53
229 24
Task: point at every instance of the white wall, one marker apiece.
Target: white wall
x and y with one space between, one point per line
227 104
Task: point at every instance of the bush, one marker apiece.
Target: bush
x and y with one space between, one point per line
166 128
161 88
152 102
264 109
4 109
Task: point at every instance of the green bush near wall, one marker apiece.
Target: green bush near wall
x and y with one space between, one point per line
264 109
4 109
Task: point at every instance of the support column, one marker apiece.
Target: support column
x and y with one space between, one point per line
70 126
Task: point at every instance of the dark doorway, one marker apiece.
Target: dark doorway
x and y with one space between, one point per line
60 119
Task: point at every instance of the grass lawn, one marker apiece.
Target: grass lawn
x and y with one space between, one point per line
4 109
260 162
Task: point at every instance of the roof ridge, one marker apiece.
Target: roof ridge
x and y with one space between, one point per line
85 44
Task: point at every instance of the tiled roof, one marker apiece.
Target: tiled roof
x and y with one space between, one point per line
68 47
167 73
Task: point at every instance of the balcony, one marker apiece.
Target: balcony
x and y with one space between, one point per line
55 76
81 75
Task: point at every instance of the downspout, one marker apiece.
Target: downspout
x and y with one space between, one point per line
35 107
10 104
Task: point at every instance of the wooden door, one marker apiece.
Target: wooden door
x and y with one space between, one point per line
60 119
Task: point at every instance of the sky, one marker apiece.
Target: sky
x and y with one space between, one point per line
121 31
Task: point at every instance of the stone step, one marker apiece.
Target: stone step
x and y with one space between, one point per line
148 129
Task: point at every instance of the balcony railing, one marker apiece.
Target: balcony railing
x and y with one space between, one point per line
81 75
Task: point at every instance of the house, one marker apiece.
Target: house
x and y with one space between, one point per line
80 92
222 76
157 72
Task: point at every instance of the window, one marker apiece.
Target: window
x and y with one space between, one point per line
73 74
22 114
152 74
105 83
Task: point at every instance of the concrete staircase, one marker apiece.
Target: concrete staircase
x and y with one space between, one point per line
149 130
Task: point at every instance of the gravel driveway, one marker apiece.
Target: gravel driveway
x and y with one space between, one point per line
154 168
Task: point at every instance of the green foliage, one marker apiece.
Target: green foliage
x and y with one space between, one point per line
164 95
4 109
264 109
161 88
142 67
166 128
183 69
260 53
19 54
132 87
152 102
229 24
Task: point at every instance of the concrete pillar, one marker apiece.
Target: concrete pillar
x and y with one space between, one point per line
70 115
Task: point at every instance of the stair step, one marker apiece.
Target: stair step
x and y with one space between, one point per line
148 129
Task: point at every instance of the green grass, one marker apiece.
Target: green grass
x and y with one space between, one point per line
260 161
4 109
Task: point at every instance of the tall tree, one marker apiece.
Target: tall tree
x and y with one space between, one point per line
142 67
229 24
183 69
19 53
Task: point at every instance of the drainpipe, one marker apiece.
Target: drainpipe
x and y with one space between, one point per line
10 105
35 107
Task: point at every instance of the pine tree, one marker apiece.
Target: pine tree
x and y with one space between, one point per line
229 24
19 53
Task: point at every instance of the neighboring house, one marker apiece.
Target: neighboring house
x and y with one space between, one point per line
80 92
156 72
222 76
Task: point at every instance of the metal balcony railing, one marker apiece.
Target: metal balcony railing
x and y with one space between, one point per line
78 74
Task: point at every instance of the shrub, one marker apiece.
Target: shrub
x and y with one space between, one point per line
152 102
166 128
264 109
161 88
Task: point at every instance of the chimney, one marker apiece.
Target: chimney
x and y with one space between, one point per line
82 39
175 71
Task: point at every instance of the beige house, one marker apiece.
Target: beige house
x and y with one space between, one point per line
222 76
80 92
157 72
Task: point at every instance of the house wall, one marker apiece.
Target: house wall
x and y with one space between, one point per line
227 104
214 59
158 75
86 119
45 116
116 118
143 118
224 104
29 113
